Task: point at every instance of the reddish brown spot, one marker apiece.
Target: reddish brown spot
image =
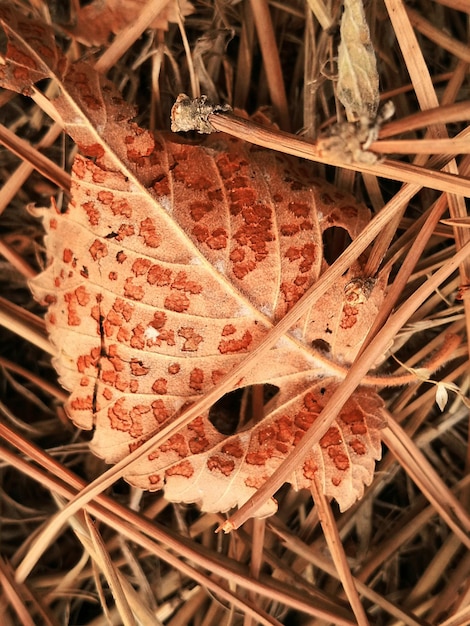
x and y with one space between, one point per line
291 293
216 376
184 469
339 459
217 239
196 379
137 340
149 232
255 482
123 308
156 481
123 335
358 447
161 185
349 316
174 368
67 255
237 255
311 403
352 416
176 443
106 197
159 386
73 318
193 339
84 381
98 250
182 283
109 377
159 320
177 302
198 444
243 269
242 197
255 458
198 210
359 429
159 411
84 403
228 165
135 292
288 230
216 195
140 266
158 275
92 212
233 448
309 469
126 421
227 346
219 464
293 253
83 297
299 209
228 329
304 420
309 255
121 257
300 281
138 369
332 437
125 230
201 233
85 361
121 207
113 275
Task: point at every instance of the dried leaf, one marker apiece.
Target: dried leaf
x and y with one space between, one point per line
358 80
171 264
97 20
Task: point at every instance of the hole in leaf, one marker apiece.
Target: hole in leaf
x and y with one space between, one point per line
321 345
234 410
335 241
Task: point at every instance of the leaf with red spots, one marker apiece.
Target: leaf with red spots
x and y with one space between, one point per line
171 264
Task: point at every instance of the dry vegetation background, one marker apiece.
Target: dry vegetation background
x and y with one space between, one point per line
132 558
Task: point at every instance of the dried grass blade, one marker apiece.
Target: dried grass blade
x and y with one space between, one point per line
161 542
111 573
272 63
448 113
458 49
319 152
422 146
422 472
42 164
335 546
126 37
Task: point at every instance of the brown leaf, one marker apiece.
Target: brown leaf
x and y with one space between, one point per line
97 20
171 264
